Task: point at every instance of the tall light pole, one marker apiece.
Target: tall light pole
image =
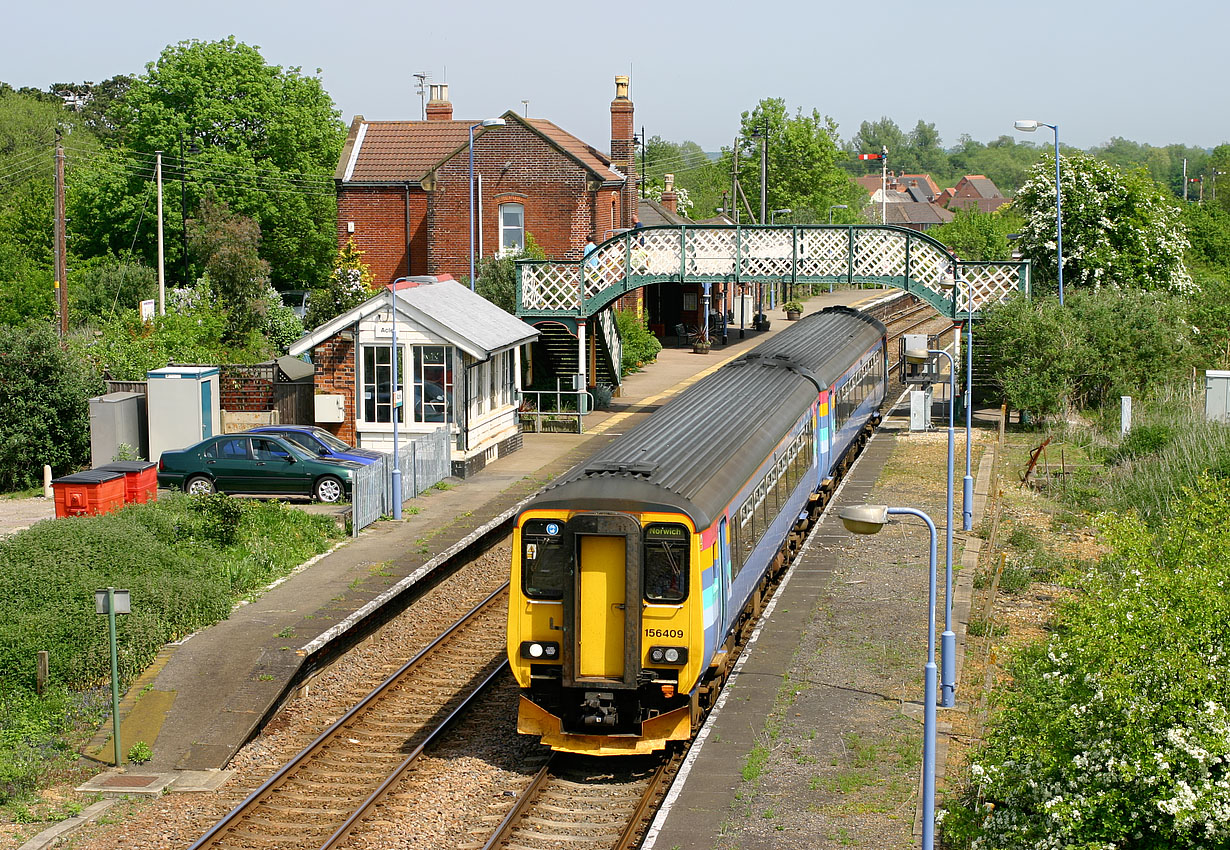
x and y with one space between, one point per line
398 404
967 483
837 207
869 519
949 646
773 214
1028 126
486 122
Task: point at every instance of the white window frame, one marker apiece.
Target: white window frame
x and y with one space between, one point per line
506 230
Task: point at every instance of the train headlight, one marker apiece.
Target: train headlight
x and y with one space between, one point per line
668 654
540 650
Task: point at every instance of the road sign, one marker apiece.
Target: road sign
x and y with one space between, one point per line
123 604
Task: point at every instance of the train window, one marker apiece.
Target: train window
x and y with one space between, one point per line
544 563
736 553
666 562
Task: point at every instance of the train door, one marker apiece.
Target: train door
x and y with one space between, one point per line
723 579
601 607
602 602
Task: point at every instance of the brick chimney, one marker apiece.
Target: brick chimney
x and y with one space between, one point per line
669 199
439 108
623 148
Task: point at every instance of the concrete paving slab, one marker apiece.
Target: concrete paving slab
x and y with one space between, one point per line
196 781
113 783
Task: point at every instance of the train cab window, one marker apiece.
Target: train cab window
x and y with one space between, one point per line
544 563
666 562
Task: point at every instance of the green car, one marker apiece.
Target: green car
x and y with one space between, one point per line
259 464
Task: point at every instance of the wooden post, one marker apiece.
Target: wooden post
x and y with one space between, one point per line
42 662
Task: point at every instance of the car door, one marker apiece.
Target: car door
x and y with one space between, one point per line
276 470
231 465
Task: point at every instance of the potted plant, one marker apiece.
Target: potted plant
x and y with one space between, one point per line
794 309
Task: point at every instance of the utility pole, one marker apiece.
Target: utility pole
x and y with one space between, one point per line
162 275
1185 179
61 238
764 167
644 149
883 184
734 178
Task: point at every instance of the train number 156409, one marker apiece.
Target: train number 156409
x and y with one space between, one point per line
664 633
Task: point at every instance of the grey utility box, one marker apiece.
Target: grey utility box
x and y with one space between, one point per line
920 409
117 419
1217 395
183 407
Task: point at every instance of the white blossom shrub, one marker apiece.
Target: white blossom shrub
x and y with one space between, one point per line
1119 228
1115 732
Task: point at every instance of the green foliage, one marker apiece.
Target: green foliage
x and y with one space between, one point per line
36 736
497 275
101 286
281 326
1118 227
140 753
168 553
239 277
975 235
1113 732
640 345
347 287
43 392
802 162
1030 353
1143 440
267 140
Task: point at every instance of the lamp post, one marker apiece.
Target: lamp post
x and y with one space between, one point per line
837 207
486 122
869 519
397 403
949 645
1029 126
775 213
967 483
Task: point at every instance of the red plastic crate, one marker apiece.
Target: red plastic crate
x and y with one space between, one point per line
95 491
140 479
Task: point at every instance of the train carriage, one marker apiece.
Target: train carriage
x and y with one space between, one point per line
684 517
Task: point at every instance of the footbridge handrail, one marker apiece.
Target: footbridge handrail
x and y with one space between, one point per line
883 255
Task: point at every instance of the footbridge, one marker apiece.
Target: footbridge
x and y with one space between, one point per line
577 293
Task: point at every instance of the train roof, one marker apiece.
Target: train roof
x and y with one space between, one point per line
695 453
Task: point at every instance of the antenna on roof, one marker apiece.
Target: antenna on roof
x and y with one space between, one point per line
422 77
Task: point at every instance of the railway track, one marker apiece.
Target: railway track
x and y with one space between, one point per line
594 803
318 798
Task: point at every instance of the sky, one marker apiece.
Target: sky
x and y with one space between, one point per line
1097 69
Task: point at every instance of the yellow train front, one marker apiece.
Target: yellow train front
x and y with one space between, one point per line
633 573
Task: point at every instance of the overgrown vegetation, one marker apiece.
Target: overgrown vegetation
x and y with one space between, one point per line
1115 729
185 560
640 345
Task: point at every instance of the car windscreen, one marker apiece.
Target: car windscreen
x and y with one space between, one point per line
331 441
302 441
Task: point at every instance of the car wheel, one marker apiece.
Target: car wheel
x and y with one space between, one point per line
329 489
199 485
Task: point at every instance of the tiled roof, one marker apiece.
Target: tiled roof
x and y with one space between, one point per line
983 204
916 213
405 151
590 157
398 151
652 213
984 186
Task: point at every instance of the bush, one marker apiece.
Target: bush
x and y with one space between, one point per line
43 393
1143 440
640 346
1114 732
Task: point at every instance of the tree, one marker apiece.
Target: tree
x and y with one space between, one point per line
1032 353
44 392
239 278
348 287
1119 228
497 276
267 141
976 235
802 162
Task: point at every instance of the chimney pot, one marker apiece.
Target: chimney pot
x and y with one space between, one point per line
621 87
439 108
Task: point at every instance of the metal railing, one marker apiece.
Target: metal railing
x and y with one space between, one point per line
567 405
425 461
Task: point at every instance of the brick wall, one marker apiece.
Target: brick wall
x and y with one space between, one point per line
517 166
334 361
379 216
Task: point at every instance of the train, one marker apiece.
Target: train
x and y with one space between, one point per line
688 516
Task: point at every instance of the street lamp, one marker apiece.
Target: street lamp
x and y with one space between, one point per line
949 647
1029 126
774 214
486 122
397 404
837 207
869 519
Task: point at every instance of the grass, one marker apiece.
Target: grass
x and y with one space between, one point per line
755 763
